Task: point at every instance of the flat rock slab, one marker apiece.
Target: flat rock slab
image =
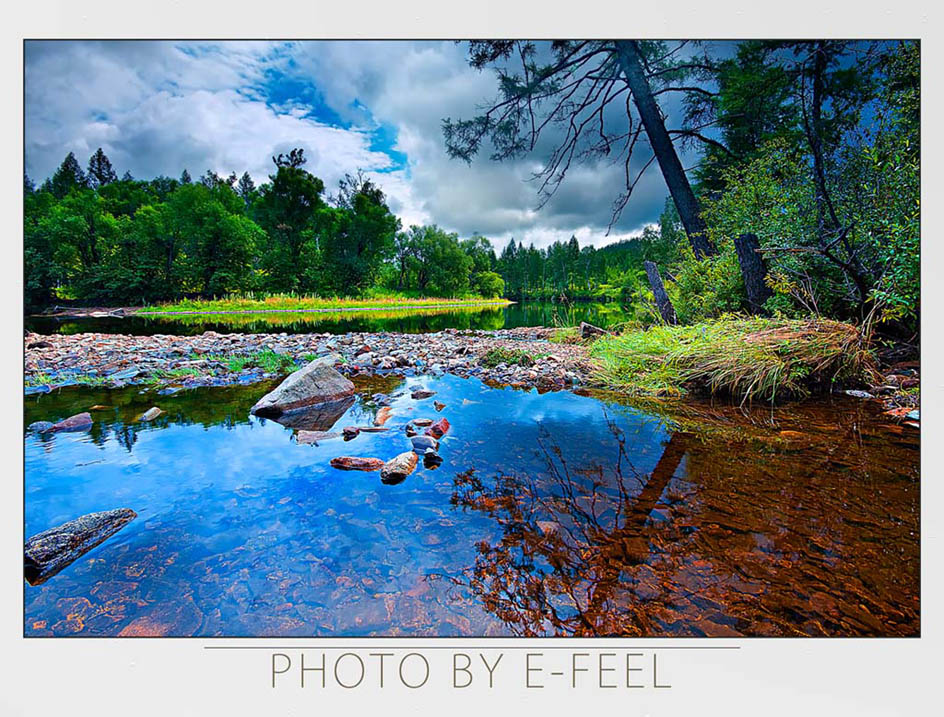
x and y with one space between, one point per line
307 438
396 469
78 422
357 463
422 422
46 553
316 383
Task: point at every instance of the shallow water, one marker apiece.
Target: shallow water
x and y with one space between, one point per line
414 321
551 514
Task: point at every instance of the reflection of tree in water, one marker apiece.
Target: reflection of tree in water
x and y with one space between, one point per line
570 541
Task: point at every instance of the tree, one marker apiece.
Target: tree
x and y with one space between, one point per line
100 171
185 177
287 209
246 189
69 176
572 87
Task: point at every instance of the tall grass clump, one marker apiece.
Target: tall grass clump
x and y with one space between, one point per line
742 358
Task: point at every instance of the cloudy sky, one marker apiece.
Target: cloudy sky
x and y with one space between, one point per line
159 107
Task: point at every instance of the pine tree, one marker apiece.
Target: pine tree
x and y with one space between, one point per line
100 171
246 188
127 176
28 185
185 177
69 176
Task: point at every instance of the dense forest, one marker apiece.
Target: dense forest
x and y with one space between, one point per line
811 149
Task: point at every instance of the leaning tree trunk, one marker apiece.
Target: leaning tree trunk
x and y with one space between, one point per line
666 310
754 271
631 64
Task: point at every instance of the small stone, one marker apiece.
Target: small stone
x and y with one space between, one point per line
151 414
382 415
396 469
432 460
357 463
422 422
438 429
350 432
78 422
422 393
913 415
438 406
859 394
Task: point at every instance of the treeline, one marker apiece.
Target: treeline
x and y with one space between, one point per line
96 238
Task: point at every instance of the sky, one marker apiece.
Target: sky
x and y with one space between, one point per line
156 108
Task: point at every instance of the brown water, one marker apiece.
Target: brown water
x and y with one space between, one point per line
554 514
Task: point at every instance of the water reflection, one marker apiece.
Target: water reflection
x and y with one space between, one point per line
550 514
412 321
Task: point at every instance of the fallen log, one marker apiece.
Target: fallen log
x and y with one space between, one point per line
46 553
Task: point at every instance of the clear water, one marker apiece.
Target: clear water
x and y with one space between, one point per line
551 514
534 313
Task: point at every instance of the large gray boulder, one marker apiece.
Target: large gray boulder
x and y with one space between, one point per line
316 383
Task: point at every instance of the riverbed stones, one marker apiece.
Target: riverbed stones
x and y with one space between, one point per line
48 552
398 468
150 414
78 422
316 383
357 463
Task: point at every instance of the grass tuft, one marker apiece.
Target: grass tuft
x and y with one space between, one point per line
744 358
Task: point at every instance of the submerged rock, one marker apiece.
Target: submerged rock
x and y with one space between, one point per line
40 426
396 469
46 553
314 437
78 422
438 429
382 415
151 414
316 383
357 463
421 444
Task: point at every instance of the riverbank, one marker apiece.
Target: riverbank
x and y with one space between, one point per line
522 357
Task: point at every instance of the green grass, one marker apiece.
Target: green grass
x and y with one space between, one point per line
499 355
267 359
39 379
291 302
744 358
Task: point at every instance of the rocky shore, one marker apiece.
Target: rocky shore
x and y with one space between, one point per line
521 357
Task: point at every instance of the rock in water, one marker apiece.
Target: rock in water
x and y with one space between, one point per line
357 463
438 429
432 460
320 417
40 426
421 393
859 394
151 414
46 553
350 432
316 383
382 415
78 422
422 422
438 406
314 437
421 444
396 469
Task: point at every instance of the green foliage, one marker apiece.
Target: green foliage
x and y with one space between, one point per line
707 288
499 355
